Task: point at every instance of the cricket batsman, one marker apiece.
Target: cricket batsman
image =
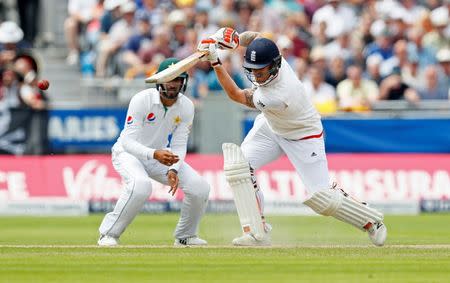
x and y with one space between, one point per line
288 124
142 152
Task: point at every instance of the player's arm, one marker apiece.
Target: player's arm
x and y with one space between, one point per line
180 135
228 39
243 96
130 136
178 144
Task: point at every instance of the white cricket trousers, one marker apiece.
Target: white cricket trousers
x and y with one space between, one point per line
138 188
262 146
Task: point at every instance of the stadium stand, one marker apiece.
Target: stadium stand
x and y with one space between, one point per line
375 58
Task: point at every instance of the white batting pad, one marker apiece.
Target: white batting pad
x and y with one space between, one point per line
335 202
237 173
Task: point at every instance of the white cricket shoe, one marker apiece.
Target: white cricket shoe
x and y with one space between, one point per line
249 240
191 241
377 233
107 241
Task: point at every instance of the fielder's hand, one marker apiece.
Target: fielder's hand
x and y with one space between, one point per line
209 45
165 157
227 38
172 179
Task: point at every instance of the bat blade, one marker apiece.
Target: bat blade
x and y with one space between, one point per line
174 71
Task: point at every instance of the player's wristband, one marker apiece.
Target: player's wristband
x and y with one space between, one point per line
218 63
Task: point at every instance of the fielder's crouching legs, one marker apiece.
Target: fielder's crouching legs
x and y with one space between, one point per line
131 201
196 192
337 203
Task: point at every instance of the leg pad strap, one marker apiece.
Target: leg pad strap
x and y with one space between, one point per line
335 202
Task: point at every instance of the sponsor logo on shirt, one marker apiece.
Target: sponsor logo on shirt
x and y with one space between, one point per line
129 120
261 104
151 117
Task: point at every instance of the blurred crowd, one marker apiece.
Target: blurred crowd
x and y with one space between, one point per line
19 70
349 54
23 115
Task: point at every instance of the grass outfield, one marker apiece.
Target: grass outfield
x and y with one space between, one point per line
306 249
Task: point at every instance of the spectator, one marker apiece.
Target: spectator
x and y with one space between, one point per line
120 32
373 68
362 32
382 44
396 21
437 39
159 49
11 42
139 41
110 15
337 17
190 45
177 22
154 11
244 13
33 99
15 93
297 29
319 35
356 93
80 13
336 72
317 57
29 92
94 27
223 12
9 89
399 60
271 20
425 55
13 125
443 57
411 10
29 14
411 73
432 88
394 88
301 68
340 47
286 48
322 94
202 24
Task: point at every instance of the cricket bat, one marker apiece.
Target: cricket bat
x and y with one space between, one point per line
174 71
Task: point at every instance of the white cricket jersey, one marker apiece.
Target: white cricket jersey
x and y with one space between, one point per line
149 124
286 106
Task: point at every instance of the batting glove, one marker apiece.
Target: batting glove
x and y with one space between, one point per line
227 38
209 45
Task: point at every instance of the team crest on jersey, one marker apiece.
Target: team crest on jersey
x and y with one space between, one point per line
177 120
151 117
129 120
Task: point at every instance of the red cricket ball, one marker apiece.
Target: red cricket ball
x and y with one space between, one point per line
43 84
